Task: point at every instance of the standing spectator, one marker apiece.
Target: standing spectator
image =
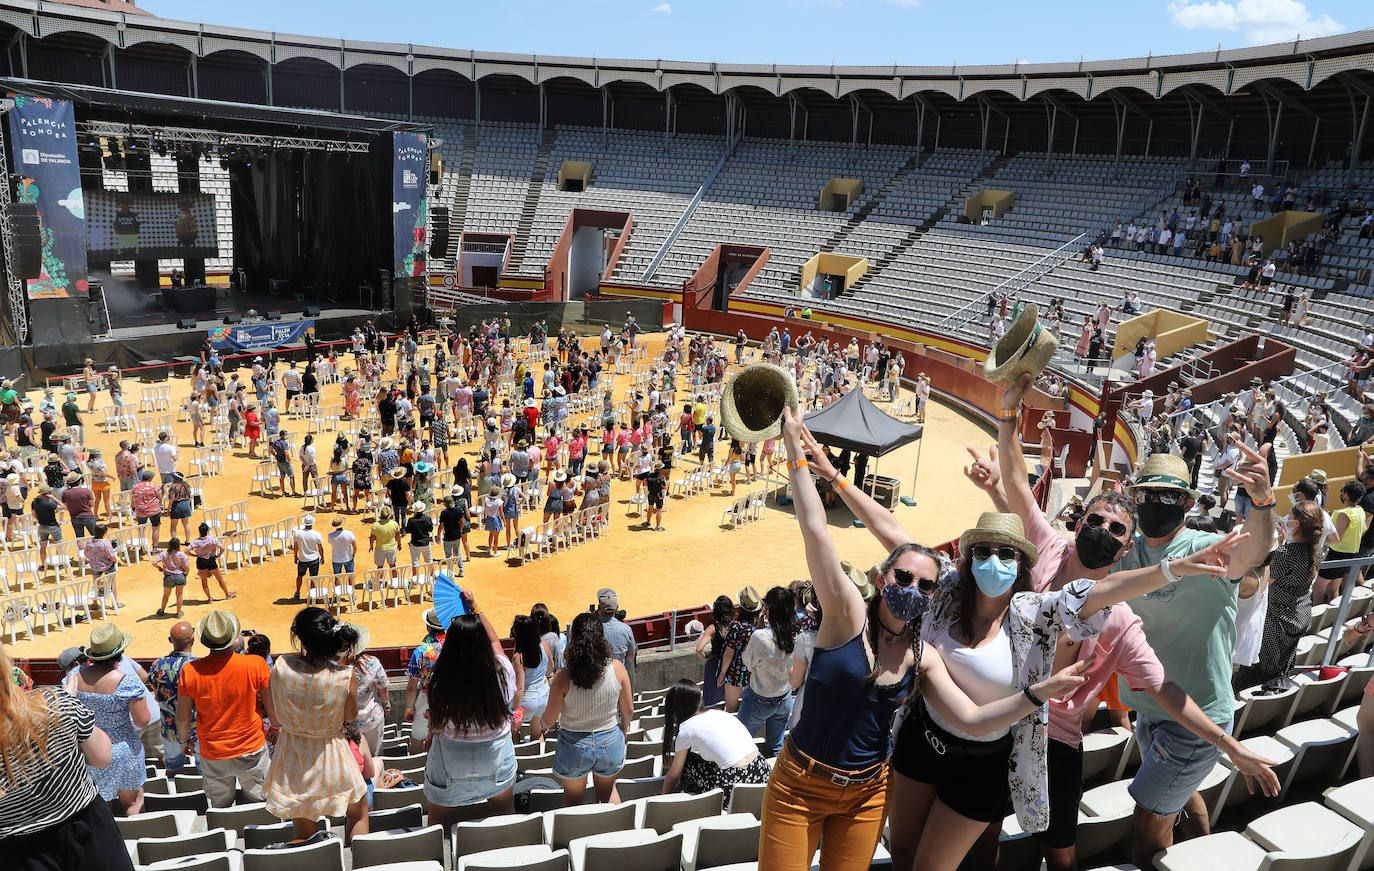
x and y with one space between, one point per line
165 456
281 454
734 674
127 465
420 532
452 527
146 498
306 547
418 671
313 773
44 508
225 690
1351 522
383 540
207 550
1288 615
176 495
590 701
164 676
655 486
533 663
471 758
100 558
767 701
100 482
711 647
117 700
79 500
174 566
617 634
343 545
374 688
398 493
51 815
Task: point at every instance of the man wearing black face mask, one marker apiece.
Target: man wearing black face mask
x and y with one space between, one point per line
1104 536
1191 624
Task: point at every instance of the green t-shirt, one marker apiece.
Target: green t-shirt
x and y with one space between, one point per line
1191 625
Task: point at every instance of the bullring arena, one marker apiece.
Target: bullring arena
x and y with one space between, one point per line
1062 558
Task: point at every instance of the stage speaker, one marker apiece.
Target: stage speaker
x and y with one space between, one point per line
233 319
438 228
28 241
312 311
271 316
436 167
186 324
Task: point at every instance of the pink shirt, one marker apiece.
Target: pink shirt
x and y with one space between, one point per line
622 438
576 447
1120 647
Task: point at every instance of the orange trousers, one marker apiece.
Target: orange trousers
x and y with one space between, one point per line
803 809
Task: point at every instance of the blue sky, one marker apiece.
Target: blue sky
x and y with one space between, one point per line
875 32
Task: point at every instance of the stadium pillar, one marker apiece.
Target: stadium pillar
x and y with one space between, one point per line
605 113
543 106
1358 143
1051 116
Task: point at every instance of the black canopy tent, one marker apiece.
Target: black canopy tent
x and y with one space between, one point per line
853 422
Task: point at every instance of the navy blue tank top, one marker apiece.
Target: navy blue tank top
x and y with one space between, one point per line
846 720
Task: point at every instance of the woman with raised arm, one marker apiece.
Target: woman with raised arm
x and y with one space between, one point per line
992 644
831 784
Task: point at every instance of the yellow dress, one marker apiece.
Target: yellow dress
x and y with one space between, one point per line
313 772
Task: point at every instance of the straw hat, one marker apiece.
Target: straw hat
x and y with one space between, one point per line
508 480
530 403
1025 347
860 580
432 621
107 642
749 599
398 472
752 401
218 630
1318 475
996 528
364 637
560 476
1164 472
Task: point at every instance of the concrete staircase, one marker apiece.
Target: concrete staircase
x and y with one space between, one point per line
516 264
461 185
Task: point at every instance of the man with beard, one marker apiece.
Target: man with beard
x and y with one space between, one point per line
1104 538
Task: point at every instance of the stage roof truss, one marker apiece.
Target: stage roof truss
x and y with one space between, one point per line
191 136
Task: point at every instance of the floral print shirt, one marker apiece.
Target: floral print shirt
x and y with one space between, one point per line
164 675
1035 621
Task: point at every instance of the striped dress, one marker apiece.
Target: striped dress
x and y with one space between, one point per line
313 772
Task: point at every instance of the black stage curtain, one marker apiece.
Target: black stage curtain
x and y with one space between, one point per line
313 219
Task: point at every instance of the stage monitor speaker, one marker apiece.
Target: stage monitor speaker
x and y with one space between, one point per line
436 167
271 316
312 311
438 228
186 324
28 241
233 319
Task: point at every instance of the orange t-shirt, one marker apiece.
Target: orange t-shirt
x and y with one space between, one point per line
225 691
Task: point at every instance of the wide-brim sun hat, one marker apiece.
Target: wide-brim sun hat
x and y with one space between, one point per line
1164 472
106 642
530 403
398 472
432 621
858 578
423 468
752 401
1318 475
1026 346
997 528
508 480
560 476
364 638
749 599
218 630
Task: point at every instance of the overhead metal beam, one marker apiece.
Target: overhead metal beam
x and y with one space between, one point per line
192 136
1195 94
1283 99
1129 105
1352 81
1059 104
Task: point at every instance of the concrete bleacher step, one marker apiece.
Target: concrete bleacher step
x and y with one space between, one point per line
462 184
536 185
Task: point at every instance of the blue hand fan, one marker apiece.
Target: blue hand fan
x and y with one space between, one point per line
448 599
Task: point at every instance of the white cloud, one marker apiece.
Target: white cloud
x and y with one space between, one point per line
905 4
1259 21
661 9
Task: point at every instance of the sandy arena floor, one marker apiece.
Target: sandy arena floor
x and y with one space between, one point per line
687 565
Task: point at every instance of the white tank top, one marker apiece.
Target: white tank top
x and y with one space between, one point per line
593 710
985 674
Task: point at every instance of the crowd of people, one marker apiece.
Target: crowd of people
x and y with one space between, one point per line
935 692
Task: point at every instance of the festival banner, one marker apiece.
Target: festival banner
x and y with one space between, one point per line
260 337
43 139
409 208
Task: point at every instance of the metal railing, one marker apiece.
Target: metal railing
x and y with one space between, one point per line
1352 577
1020 280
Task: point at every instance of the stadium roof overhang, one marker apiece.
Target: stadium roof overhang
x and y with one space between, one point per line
1302 63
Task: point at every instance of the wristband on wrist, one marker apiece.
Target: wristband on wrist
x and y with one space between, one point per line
1009 413
1266 506
1220 738
1168 575
838 483
794 465
1030 694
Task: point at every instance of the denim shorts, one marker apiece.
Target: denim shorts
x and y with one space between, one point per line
467 772
1173 763
601 753
341 568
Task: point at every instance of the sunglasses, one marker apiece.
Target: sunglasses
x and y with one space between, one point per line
1096 521
906 577
1163 497
1005 554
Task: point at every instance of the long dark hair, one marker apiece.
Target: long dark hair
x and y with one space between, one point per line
722 612
680 704
467 690
588 651
320 636
525 633
781 605
968 589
